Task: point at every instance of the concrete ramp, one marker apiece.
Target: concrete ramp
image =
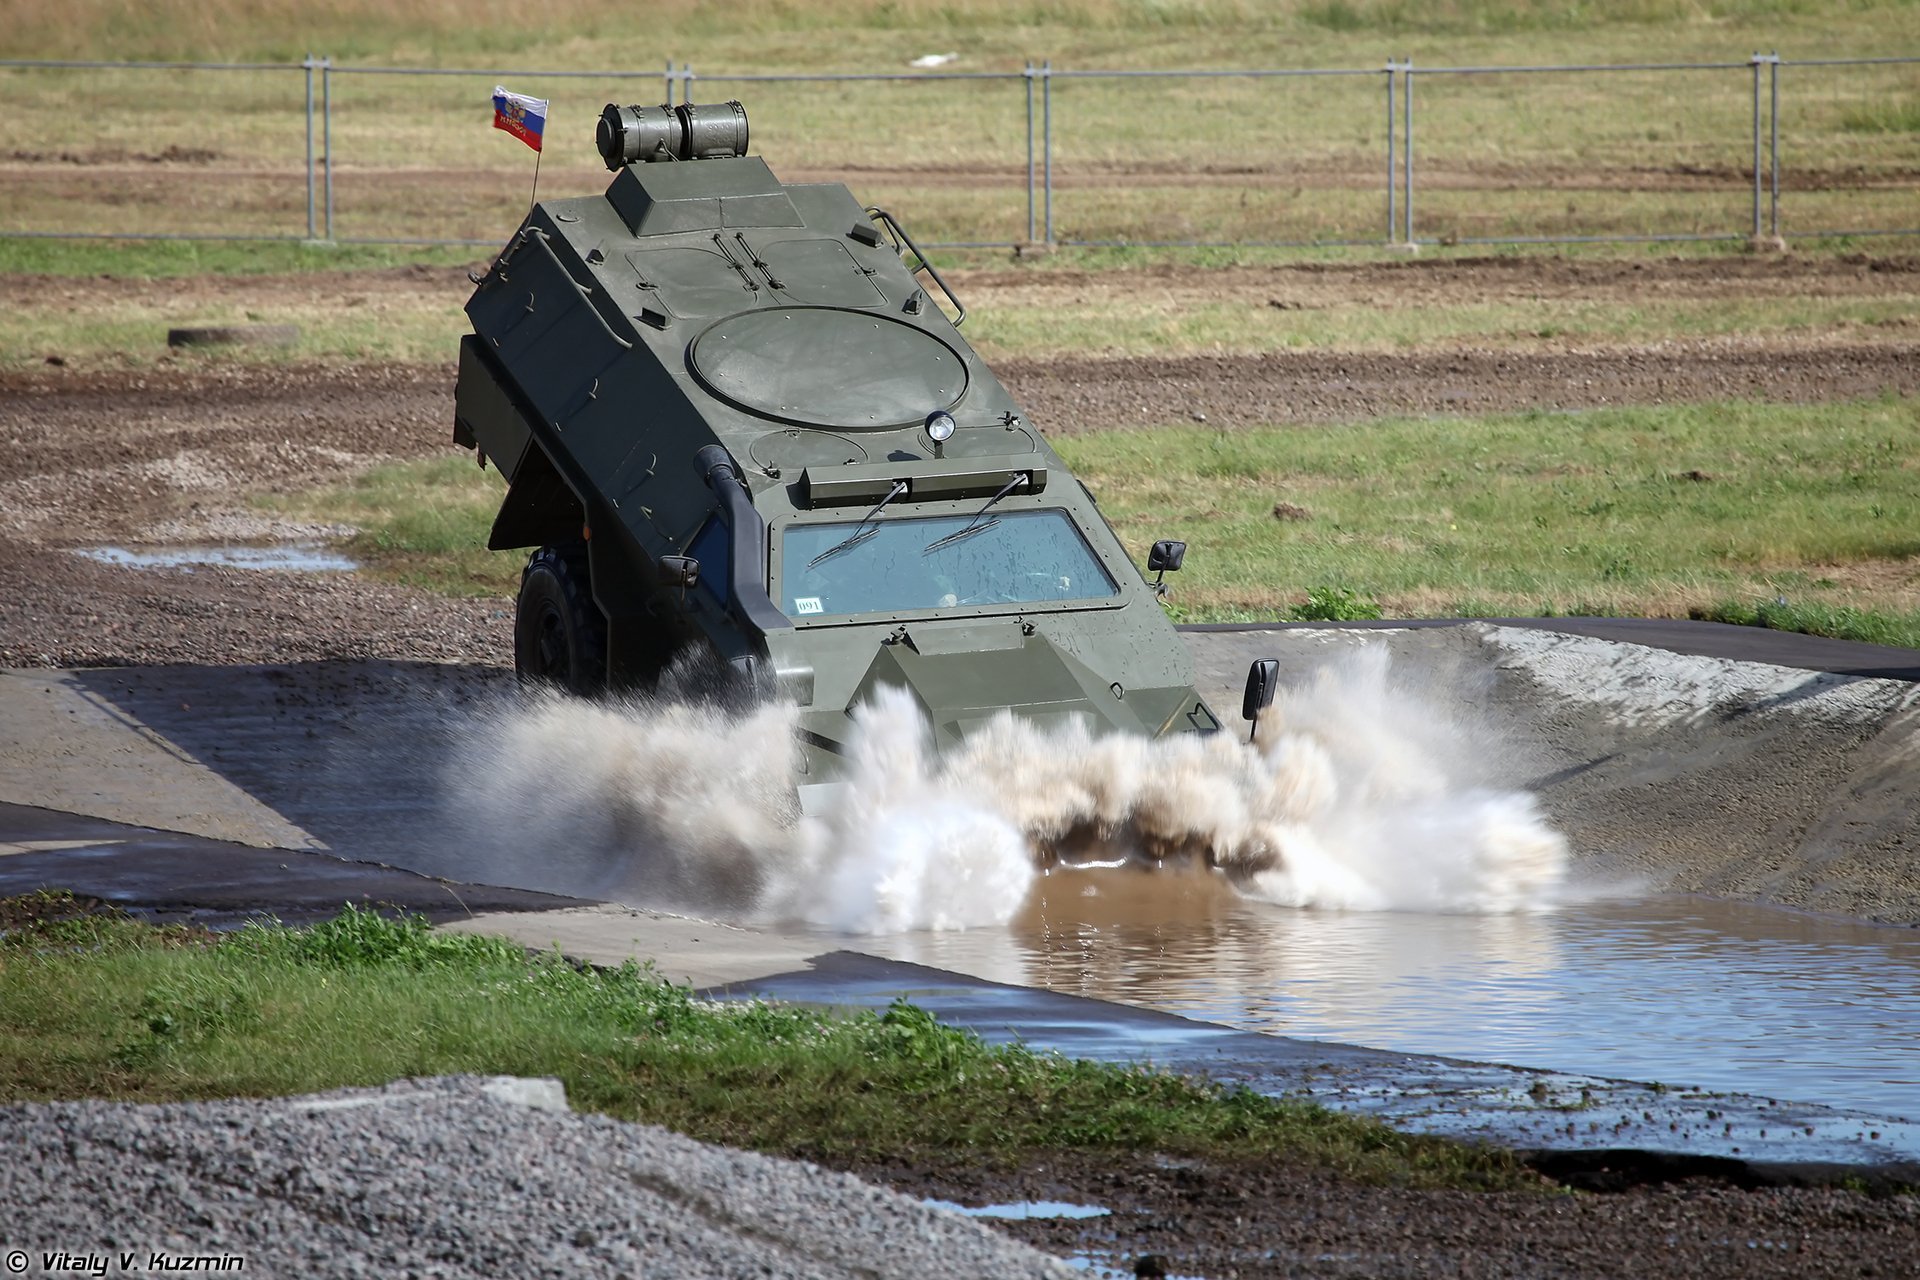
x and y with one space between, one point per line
76 743
1787 783
1673 771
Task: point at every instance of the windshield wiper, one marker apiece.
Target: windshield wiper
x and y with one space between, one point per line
974 526
860 531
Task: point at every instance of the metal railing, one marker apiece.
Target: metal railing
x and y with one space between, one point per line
1049 161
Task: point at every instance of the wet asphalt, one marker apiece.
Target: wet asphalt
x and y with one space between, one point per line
173 878
1590 1131
1584 1130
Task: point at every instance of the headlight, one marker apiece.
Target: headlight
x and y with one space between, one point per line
940 425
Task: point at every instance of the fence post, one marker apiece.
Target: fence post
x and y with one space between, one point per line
1031 212
1773 143
1046 139
669 82
1393 227
1406 143
307 69
1755 62
326 135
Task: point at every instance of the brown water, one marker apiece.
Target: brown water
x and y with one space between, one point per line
1384 898
1686 991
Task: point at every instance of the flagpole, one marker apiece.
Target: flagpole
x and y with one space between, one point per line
511 112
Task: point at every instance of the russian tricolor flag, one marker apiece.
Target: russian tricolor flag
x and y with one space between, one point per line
523 117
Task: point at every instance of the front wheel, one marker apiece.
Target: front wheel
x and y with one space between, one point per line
559 634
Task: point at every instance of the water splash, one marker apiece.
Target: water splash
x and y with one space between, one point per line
910 846
1354 796
655 801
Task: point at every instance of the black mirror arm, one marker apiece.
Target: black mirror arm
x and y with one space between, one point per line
1163 558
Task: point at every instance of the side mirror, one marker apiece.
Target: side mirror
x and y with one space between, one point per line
1263 681
1164 558
679 571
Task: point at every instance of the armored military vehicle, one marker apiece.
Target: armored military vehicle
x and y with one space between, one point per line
737 414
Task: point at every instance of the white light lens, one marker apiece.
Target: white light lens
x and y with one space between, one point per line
940 426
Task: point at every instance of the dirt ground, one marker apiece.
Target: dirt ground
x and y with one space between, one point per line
163 452
141 457
1180 1217
159 450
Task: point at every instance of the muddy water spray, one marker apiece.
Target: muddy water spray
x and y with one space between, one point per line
1354 797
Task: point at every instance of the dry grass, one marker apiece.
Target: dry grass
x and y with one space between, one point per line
256 28
1629 154
1026 313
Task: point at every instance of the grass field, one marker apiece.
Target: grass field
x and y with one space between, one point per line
1316 29
1655 511
1800 517
417 328
1093 302
1135 160
93 1005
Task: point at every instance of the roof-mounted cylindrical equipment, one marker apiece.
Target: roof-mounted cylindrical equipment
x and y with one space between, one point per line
636 135
629 135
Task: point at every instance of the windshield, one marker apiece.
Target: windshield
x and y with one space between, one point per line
1011 557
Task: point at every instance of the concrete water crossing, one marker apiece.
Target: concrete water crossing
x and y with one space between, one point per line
217 792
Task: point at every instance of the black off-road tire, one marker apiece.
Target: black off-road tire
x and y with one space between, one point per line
559 633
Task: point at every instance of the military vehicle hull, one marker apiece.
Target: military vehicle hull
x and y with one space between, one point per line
733 419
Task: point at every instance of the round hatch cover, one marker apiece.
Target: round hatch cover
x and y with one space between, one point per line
797 448
828 367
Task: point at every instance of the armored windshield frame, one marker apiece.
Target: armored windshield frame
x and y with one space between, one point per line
1109 556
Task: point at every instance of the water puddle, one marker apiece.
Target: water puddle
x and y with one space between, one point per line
1690 992
299 557
1102 1264
1023 1209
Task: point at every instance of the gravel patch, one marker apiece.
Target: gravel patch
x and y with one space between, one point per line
450 1177
1653 688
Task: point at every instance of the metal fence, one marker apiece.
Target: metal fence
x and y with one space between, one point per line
1391 154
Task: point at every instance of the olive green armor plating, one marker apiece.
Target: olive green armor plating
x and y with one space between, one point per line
732 416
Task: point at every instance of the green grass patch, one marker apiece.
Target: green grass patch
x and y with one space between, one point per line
94 1005
1038 310
1334 604
1653 511
1883 117
420 523
1112 323
1671 511
119 316
173 259
1842 622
